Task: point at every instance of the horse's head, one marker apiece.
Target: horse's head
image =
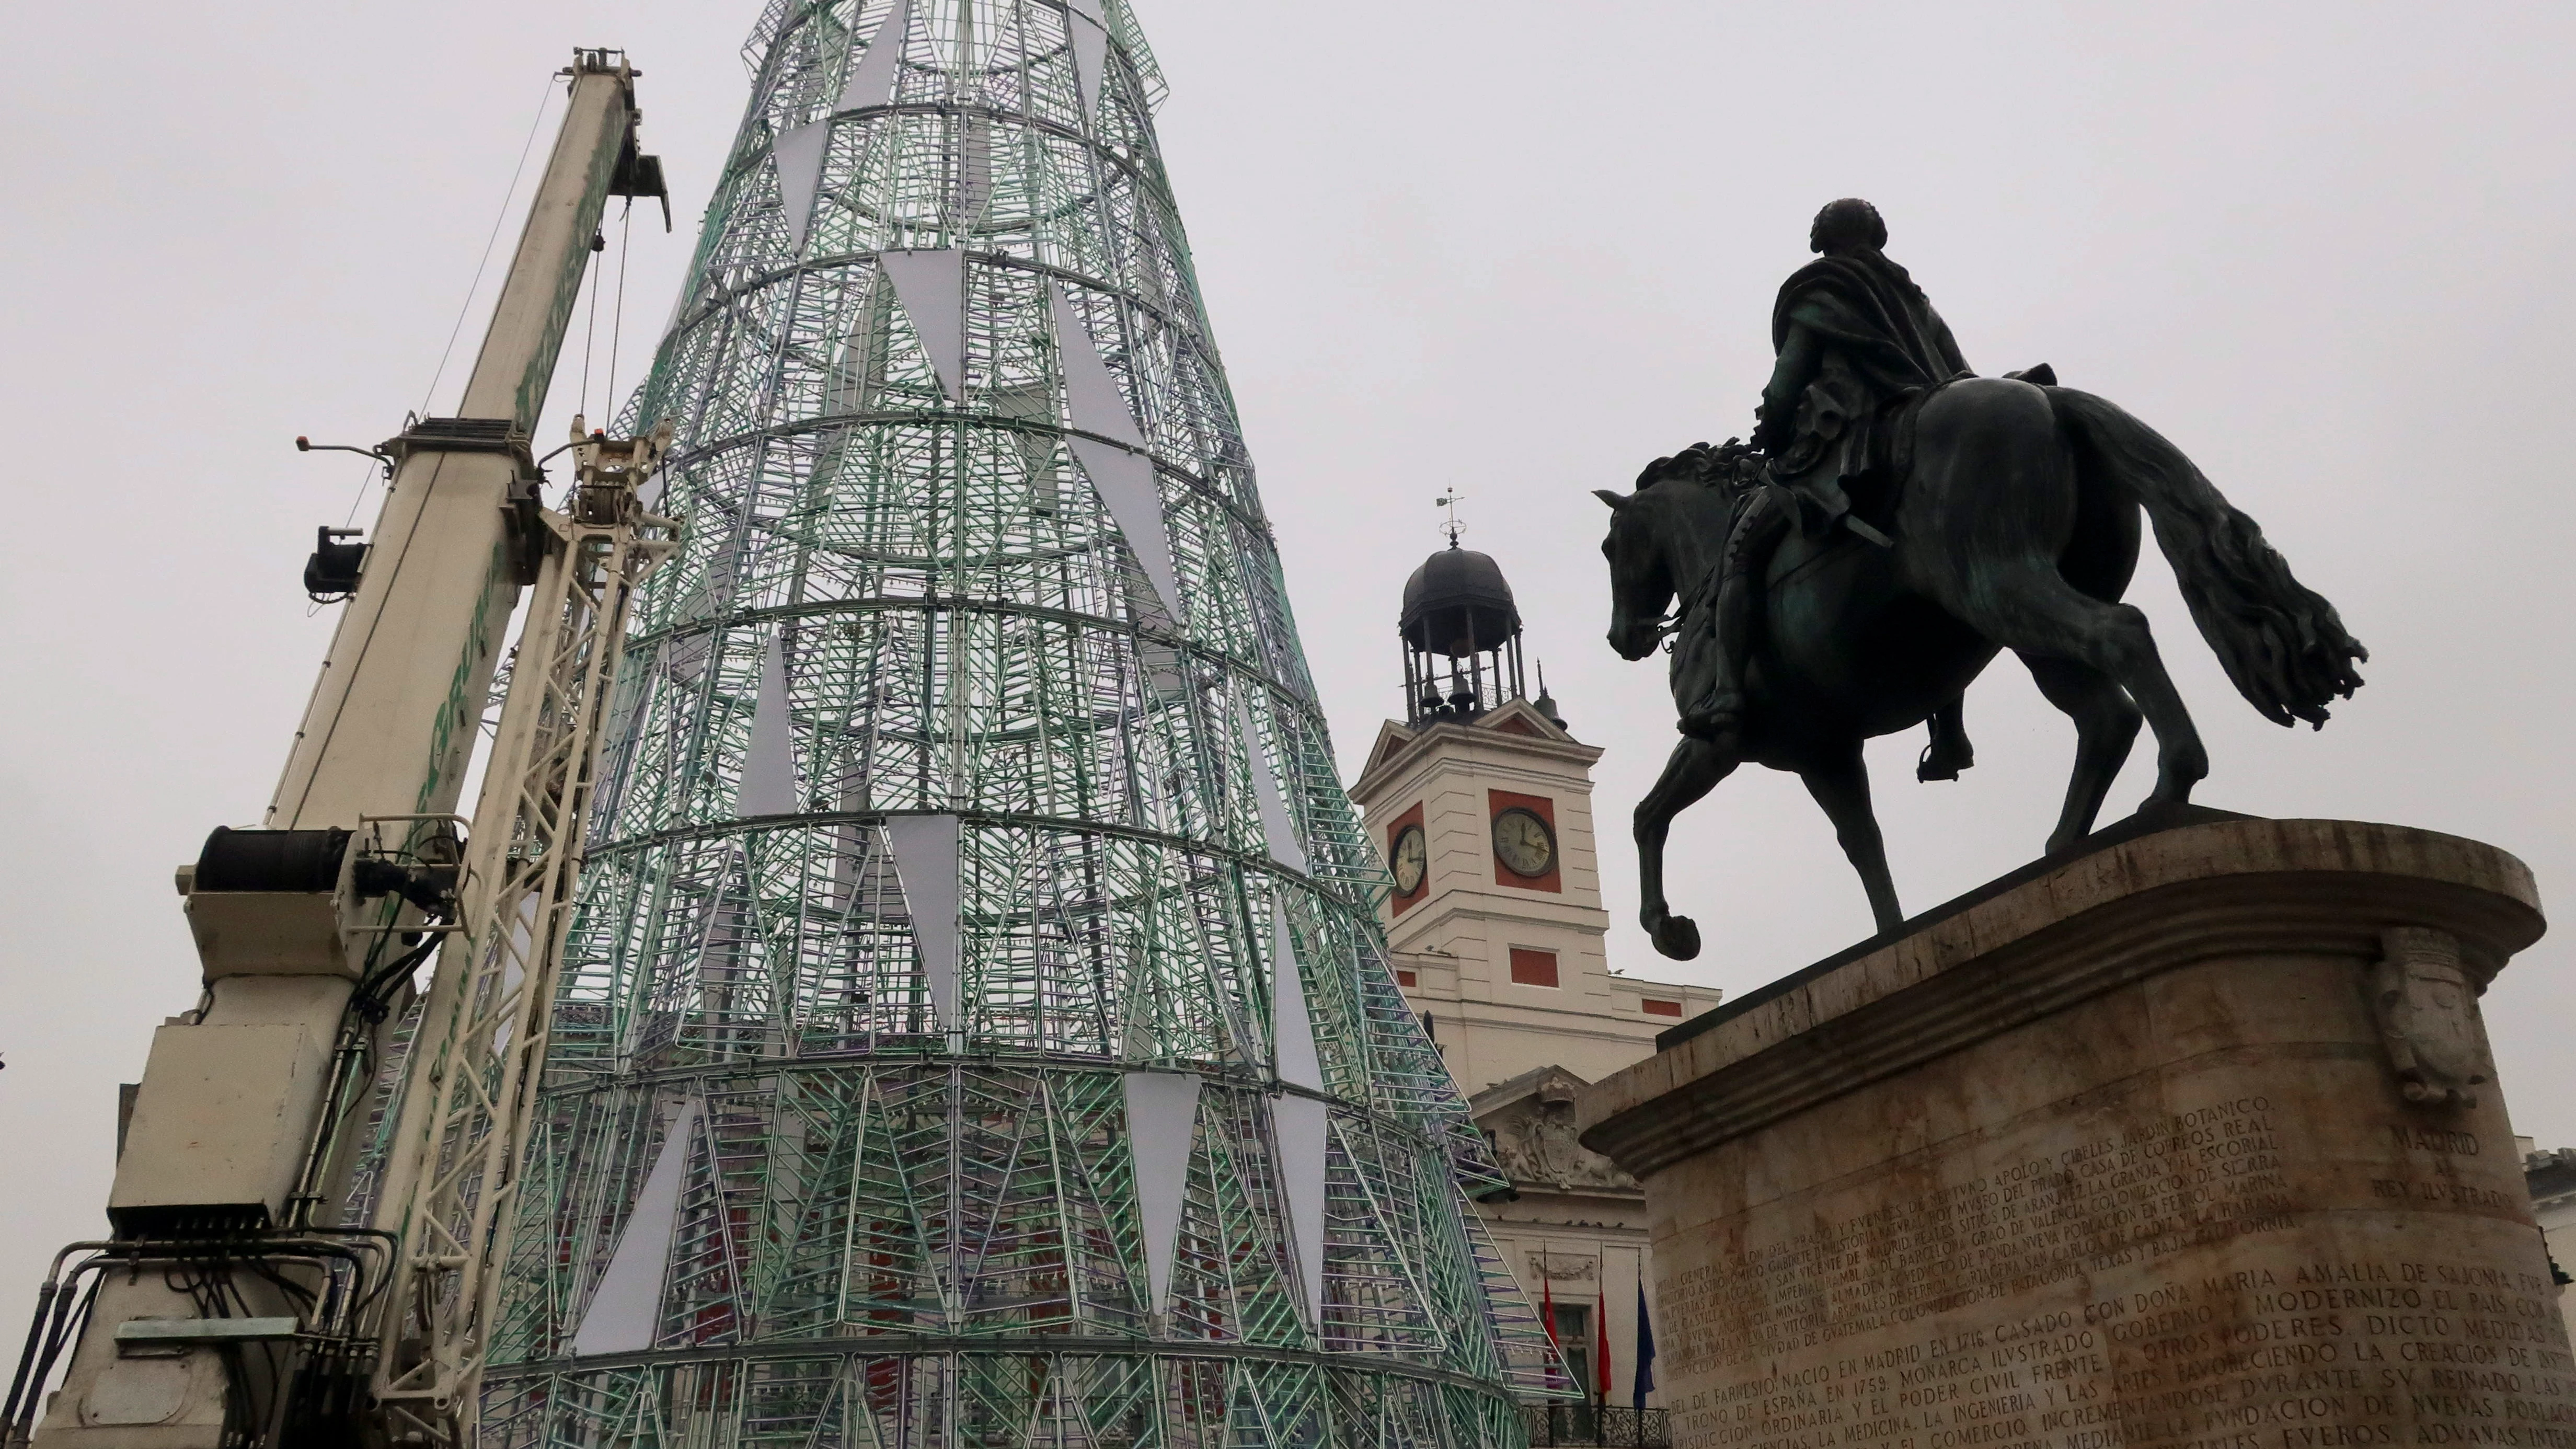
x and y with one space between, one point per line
1664 536
1641 577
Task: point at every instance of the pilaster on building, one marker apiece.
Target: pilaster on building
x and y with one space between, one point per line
1497 934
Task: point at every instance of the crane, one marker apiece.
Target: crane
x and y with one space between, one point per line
230 1306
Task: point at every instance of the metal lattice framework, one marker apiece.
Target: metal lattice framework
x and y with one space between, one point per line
481 1034
975 1028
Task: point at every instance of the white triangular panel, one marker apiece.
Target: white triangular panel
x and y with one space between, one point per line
871 81
1090 55
971 198
849 847
1162 1127
769 764
1125 483
627 1307
1091 396
932 287
514 956
1292 1030
925 861
798 153
1276 828
1087 9
1123 479
1302 1124
1160 662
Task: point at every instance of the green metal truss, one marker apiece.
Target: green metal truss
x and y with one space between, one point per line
976 1029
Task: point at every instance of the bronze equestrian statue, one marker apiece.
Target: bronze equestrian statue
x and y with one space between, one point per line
1894 522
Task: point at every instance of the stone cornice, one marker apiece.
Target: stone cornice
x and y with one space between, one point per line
1564 753
2100 921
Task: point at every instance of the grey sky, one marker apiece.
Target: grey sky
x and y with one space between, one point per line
1517 248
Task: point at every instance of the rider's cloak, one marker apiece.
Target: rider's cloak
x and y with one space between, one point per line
1869 309
1884 345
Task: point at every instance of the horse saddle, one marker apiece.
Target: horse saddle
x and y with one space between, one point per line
1820 518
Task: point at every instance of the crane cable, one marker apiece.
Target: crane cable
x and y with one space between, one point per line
617 313
499 219
616 318
466 304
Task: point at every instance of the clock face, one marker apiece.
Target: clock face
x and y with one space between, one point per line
1523 843
1410 860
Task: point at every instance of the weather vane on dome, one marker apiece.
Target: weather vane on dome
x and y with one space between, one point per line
1449 501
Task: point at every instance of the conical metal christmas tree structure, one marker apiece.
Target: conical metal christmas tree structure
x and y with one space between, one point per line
976 1028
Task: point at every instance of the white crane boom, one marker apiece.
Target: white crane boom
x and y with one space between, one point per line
229 1307
393 715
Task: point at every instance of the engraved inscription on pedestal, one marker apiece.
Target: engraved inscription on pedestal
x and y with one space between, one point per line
2132 1289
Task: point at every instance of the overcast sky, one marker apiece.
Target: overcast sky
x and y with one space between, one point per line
1513 248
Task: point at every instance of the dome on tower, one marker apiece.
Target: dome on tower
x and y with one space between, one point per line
1458 604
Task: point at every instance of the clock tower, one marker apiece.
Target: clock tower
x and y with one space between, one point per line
1480 799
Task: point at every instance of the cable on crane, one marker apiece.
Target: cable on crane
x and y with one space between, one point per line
617 314
457 328
590 328
534 124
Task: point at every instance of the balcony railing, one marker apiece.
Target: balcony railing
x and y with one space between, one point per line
1595 1424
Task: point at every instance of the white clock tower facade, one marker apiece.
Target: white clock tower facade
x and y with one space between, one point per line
1481 802
1499 939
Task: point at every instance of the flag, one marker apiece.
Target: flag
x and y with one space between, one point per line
1601 1341
1547 1313
1645 1347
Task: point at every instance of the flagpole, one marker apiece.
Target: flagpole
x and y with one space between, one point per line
1601 1342
1547 1310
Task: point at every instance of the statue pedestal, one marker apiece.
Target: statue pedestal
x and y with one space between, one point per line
2191 1141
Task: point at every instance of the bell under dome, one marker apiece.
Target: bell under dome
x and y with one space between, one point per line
1462 637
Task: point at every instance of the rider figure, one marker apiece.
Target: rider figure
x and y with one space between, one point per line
1856 340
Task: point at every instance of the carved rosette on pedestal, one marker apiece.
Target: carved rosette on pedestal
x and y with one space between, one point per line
2190 1141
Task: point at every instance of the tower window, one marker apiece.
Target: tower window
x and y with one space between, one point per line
1652 1007
1533 968
1407 979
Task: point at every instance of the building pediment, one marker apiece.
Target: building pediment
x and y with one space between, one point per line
1515 728
1520 717
1391 740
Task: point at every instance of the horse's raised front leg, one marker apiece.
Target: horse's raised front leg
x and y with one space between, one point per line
1693 771
1841 786
2106 725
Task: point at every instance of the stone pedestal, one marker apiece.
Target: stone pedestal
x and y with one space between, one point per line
2191 1141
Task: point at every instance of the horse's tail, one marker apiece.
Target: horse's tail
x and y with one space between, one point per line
2280 642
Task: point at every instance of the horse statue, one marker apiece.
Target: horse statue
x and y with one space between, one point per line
2012 523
